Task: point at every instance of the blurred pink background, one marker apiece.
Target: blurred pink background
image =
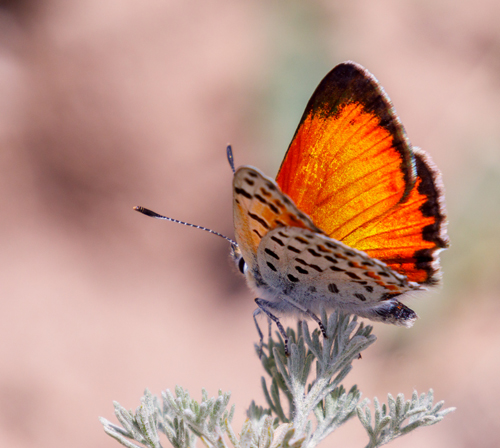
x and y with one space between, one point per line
109 104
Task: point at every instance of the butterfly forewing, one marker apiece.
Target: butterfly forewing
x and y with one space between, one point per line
259 206
349 161
351 168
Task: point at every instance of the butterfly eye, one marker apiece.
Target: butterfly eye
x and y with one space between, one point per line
242 266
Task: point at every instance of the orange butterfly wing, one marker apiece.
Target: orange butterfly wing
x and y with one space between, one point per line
351 168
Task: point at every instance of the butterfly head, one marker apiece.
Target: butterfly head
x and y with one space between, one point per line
238 259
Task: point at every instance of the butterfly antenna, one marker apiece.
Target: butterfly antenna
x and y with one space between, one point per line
148 212
230 158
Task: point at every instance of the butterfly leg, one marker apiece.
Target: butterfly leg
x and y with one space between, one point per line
310 314
318 321
261 336
263 306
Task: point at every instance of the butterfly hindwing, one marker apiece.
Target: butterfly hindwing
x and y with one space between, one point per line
314 271
411 235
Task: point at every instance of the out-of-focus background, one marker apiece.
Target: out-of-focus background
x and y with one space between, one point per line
109 104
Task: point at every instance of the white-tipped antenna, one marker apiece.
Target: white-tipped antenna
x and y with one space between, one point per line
230 158
148 212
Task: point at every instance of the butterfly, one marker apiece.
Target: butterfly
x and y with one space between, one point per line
355 219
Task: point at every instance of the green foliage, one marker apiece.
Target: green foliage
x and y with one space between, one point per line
287 424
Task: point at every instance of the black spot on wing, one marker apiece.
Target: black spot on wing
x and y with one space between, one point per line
315 267
293 249
305 263
332 287
313 253
277 240
243 192
257 218
260 198
292 278
271 253
271 266
301 270
322 248
389 295
257 233
273 208
360 297
301 240
279 203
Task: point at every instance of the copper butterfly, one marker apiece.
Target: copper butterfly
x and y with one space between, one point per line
355 219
